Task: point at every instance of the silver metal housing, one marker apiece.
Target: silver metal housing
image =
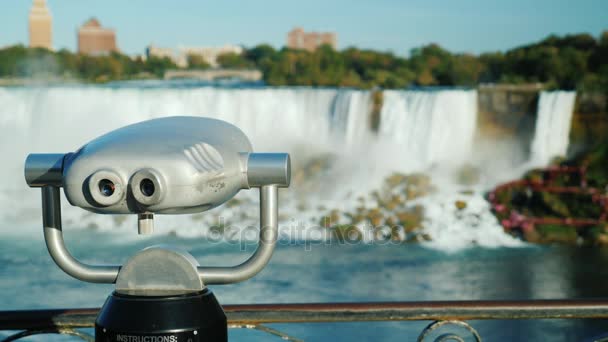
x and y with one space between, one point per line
193 164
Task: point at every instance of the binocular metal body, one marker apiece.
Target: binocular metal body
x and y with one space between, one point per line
173 165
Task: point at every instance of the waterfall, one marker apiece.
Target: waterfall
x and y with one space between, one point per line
315 125
40 117
43 116
438 127
350 116
552 132
430 126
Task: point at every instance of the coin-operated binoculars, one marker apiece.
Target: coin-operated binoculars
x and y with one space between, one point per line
173 165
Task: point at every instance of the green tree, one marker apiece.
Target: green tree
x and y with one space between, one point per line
197 62
158 66
260 54
464 70
233 61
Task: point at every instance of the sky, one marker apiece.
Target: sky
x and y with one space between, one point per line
386 25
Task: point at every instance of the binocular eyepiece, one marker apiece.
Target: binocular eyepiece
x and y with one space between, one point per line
106 188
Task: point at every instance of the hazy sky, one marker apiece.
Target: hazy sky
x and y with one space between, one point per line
459 25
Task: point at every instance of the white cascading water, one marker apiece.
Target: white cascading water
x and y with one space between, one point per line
431 126
350 116
427 127
551 135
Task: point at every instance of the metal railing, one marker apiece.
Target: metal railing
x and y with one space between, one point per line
255 316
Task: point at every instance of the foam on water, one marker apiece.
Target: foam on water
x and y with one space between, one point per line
453 229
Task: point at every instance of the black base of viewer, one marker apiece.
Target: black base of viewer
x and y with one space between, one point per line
185 318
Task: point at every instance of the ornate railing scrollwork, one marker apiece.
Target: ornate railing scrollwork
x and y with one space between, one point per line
60 331
450 336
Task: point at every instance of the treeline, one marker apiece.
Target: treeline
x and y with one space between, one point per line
21 62
569 62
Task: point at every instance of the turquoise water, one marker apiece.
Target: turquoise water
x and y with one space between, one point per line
333 273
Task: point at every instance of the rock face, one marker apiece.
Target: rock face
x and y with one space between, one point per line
589 122
460 205
508 109
508 113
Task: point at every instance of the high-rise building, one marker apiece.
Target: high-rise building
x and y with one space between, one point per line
298 39
96 40
295 38
40 28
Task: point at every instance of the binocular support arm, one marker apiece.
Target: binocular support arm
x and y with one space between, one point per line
53 236
268 239
265 171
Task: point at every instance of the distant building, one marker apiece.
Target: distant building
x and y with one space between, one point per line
298 39
210 54
180 56
96 40
40 25
160 52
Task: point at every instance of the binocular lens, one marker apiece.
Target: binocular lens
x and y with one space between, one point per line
147 187
106 187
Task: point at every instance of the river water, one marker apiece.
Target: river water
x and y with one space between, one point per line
468 257
334 273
